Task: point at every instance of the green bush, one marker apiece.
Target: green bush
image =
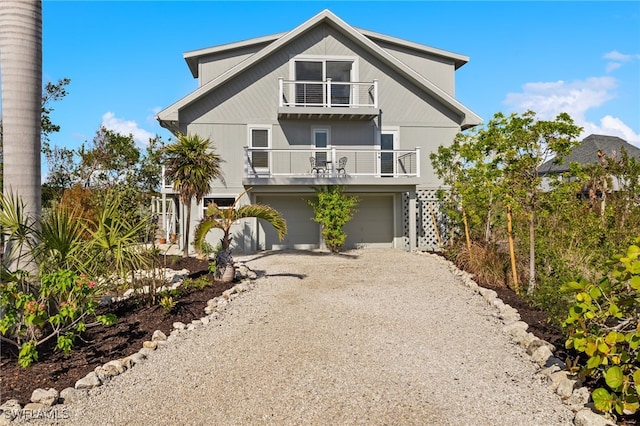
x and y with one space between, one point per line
332 211
59 307
604 324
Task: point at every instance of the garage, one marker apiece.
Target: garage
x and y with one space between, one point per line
302 232
373 224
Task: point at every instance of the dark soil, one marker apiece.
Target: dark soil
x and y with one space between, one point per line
98 345
136 323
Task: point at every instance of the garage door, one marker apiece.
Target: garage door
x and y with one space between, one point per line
372 225
302 232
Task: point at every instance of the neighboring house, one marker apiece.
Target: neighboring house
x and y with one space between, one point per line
325 104
590 150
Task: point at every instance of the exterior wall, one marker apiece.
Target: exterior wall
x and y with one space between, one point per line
438 70
212 66
428 139
252 98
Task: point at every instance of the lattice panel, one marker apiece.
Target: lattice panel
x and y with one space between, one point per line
427 210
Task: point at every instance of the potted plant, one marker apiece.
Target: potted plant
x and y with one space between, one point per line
217 218
162 239
173 238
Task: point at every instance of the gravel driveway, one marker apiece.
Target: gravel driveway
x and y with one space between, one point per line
367 337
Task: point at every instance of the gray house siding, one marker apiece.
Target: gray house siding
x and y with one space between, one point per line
211 66
439 70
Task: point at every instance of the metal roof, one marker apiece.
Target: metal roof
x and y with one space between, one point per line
587 152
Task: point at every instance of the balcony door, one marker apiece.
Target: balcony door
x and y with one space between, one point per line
388 143
321 142
310 93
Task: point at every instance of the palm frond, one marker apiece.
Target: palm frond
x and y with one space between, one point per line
266 213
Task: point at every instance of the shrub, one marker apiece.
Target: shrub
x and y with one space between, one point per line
489 266
604 323
332 211
59 307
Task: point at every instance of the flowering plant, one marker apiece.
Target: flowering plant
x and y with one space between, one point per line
59 306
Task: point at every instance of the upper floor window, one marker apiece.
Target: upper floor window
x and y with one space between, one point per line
311 74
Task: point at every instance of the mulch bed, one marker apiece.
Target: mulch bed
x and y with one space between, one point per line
136 323
98 345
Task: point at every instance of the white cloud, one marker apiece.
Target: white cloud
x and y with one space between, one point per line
548 99
616 59
126 127
611 66
614 55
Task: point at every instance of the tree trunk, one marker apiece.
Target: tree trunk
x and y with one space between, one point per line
187 225
532 255
21 70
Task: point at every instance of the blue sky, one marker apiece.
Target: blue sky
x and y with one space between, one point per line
125 60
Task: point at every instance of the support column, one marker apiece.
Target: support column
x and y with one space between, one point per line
413 238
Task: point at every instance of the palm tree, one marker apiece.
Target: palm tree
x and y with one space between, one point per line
192 164
21 69
217 218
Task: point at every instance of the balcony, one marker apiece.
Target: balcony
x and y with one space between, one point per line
329 99
330 166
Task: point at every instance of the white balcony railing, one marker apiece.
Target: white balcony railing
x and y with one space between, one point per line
328 94
334 162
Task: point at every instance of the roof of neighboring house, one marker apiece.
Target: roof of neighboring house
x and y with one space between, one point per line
364 39
587 152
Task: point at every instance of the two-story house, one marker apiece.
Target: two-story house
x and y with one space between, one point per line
325 104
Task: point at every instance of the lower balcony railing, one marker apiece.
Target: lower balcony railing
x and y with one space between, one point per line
292 163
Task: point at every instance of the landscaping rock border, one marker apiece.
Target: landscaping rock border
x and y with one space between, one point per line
45 403
566 385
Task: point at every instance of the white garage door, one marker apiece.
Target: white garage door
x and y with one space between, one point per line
372 225
302 232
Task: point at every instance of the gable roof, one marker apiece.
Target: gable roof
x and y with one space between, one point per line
587 152
171 114
192 57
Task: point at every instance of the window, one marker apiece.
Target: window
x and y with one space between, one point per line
259 142
321 70
221 202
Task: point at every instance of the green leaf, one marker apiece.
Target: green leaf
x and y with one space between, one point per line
108 319
602 400
636 378
635 282
614 377
603 348
573 285
630 405
594 362
634 267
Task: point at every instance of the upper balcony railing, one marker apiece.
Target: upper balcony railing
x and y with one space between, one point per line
328 94
331 163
